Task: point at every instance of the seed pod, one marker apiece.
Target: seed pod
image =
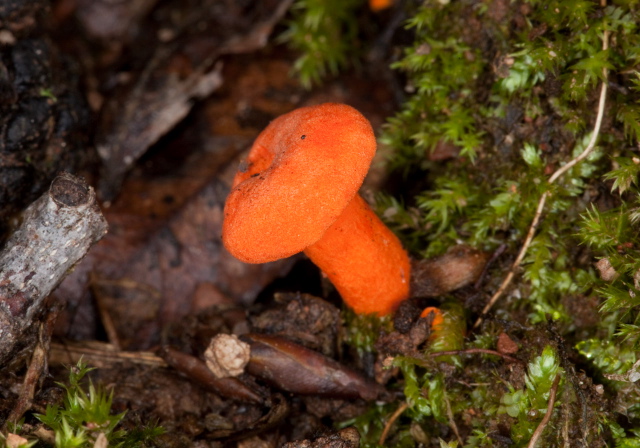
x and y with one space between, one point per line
294 368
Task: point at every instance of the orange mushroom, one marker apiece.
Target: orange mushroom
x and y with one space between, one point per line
298 191
379 5
437 320
448 327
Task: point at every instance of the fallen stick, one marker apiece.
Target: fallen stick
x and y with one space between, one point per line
56 231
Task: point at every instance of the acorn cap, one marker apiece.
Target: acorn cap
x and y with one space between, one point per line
299 176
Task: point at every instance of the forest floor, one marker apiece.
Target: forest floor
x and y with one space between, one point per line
155 104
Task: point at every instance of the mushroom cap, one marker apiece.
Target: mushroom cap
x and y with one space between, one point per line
301 172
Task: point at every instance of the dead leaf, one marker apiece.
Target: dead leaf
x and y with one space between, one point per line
186 68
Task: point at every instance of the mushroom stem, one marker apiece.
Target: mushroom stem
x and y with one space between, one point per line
364 260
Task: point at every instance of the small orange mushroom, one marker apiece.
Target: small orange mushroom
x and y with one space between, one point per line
438 319
448 327
298 191
379 5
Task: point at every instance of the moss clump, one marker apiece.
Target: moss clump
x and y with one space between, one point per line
84 418
323 32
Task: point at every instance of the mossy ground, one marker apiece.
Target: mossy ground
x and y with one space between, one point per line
510 91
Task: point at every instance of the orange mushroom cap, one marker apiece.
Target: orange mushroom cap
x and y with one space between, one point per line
301 173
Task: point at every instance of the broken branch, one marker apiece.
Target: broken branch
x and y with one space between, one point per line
57 230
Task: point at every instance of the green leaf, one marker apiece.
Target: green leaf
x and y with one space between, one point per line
593 65
531 156
452 444
323 32
83 415
629 115
626 175
513 403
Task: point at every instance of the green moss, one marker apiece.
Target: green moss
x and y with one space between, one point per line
85 414
529 405
323 32
442 71
364 330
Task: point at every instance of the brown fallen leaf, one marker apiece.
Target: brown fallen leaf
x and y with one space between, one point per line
159 251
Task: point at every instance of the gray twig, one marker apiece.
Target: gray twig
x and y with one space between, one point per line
56 231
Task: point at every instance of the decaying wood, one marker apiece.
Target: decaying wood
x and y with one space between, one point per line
43 116
56 232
